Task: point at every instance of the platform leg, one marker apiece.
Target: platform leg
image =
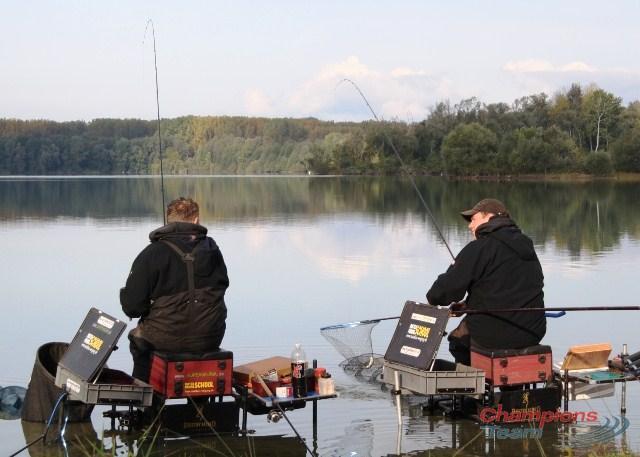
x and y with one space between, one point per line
623 399
243 400
566 390
454 443
315 410
396 392
113 417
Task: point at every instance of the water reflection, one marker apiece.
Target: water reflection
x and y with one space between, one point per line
590 216
308 252
82 440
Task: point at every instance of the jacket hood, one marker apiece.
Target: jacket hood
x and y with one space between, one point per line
180 230
506 231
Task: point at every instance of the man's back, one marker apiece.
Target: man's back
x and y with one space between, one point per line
158 271
176 287
499 270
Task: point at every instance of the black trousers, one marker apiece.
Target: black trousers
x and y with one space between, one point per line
460 344
141 351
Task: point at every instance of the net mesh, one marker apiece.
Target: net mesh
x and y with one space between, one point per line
353 342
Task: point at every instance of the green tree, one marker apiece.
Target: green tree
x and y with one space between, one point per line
565 112
431 132
533 110
601 111
470 149
598 164
563 151
626 150
531 154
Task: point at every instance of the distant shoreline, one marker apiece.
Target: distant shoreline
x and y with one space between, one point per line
557 177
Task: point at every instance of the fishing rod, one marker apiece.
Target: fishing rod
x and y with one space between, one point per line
155 64
404 168
516 310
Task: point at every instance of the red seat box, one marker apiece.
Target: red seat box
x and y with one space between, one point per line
510 367
192 375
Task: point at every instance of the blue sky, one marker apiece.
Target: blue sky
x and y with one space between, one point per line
79 60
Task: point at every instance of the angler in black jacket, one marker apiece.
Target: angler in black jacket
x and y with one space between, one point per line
176 287
498 270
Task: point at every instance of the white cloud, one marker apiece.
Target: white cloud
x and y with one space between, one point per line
578 67
350 68
544 66
528 66
403 93
532 76
257 103
407 93
406 71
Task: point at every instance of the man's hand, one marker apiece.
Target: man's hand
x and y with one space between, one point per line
456 309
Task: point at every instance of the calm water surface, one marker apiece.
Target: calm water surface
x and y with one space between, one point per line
303 253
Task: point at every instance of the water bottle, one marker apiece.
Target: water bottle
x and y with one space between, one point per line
298 366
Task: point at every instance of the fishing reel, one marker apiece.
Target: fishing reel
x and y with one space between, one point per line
274 416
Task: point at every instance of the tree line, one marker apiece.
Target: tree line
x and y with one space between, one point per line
578 130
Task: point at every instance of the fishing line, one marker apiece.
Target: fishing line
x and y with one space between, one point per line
404 167
155 64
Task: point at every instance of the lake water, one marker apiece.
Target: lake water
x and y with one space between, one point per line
306 252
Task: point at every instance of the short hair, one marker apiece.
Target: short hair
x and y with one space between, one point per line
182 210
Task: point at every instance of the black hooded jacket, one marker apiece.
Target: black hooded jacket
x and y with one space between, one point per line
498 270
157 290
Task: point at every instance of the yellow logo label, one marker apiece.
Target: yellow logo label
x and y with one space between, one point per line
419 331
93 341
198 385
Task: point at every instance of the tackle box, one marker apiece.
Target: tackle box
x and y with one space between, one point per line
412 354
192 375
445 378
82 372
510 367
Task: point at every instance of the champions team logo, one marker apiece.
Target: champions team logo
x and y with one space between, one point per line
587 427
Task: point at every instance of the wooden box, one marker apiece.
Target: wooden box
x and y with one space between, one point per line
282 366
587 356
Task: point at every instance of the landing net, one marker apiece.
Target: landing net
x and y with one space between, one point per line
353 342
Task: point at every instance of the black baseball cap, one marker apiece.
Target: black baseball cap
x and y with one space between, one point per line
487 205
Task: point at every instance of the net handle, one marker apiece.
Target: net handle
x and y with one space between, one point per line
357 323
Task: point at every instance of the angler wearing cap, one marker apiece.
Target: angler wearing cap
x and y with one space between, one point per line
498 270
176 287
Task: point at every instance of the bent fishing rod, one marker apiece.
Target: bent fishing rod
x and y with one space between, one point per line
155 64
404 168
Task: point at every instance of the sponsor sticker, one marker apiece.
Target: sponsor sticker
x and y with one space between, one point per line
423 318
198 385
420 331
410 351
73 386
92 343
106 322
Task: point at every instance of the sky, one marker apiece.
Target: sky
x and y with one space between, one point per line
79 60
